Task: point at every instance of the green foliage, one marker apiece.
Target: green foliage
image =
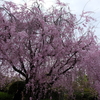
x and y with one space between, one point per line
83 89
85 94
5 96
18 85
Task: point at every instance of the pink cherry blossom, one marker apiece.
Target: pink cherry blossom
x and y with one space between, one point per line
47 48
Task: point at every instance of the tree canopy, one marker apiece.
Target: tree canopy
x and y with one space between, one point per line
47 46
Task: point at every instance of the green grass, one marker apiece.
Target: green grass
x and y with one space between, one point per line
5 96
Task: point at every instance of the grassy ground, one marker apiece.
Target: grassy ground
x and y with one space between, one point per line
5 96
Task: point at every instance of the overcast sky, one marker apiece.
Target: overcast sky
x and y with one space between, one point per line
76 7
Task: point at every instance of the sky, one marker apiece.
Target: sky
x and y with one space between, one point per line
76 7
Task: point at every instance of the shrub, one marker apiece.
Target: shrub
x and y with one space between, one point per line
16 86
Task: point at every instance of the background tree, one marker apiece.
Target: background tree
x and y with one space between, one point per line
46 47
